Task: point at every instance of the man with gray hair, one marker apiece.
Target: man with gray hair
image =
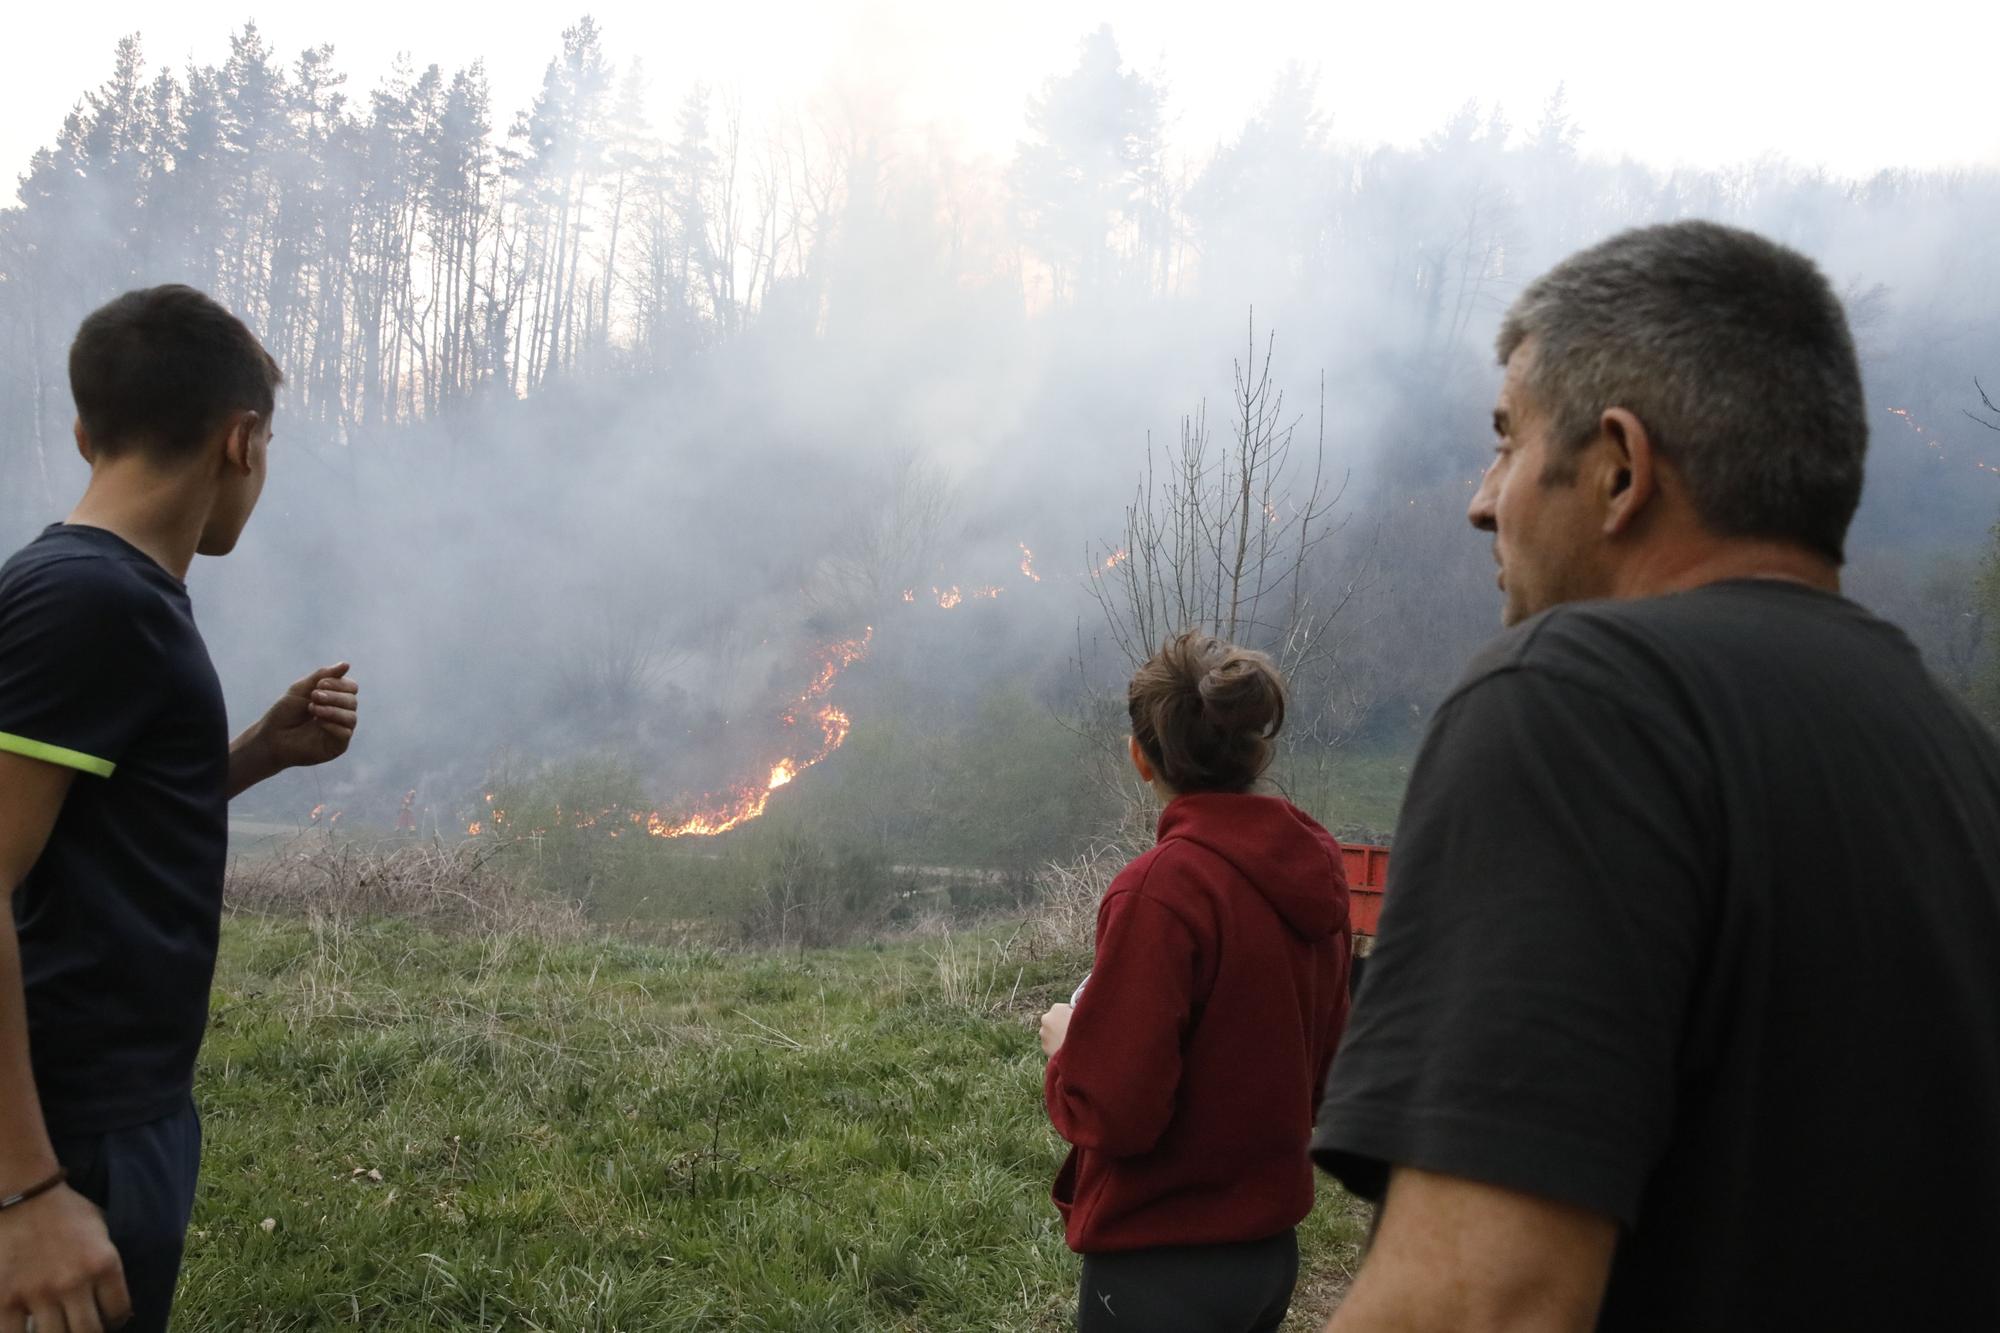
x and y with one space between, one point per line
1685 1010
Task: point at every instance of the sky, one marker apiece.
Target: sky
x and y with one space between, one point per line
1700 83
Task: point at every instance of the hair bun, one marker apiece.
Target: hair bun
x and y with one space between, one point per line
1242 694
1205 712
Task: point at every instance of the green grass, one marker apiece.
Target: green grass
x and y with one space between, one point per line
1355 792
501 1132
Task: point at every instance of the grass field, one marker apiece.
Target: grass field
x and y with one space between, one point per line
1356 793
410 1129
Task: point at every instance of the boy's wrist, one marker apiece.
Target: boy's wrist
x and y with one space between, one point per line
251 760
28 1193
251 747
27 1155
25 1165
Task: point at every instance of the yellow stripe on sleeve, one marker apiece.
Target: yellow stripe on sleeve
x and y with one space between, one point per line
56 754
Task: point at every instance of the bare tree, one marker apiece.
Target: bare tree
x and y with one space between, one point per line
1986 400
618 645
893 547
1226 539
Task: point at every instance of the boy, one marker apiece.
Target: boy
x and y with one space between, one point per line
116 772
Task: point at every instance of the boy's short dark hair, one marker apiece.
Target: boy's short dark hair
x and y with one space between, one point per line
162 368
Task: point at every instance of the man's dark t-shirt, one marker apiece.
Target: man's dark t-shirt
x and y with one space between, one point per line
103 671
1694 921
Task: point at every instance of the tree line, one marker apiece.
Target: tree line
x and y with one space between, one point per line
413 253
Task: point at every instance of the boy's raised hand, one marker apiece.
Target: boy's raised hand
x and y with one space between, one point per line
312 723
314 720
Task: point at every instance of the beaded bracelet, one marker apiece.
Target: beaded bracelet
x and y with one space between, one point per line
34 1191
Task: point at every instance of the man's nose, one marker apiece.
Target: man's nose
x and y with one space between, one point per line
1480 511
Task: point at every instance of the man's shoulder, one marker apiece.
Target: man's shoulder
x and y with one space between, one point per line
1632 645
1577 641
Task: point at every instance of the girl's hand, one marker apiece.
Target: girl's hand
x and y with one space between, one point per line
1055 1026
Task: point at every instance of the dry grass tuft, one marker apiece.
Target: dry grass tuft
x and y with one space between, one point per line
440 886
1064 917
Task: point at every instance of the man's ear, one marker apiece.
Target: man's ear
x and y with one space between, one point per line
83 443
1629 465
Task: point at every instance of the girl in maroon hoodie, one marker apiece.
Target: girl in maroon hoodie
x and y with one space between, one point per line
1187 1073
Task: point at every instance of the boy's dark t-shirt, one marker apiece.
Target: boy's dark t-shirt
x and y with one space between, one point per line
102 670
1694 921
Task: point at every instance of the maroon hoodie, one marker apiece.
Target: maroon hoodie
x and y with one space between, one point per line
1193 1063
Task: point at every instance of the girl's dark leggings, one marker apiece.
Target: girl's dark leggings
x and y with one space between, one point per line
1242 1288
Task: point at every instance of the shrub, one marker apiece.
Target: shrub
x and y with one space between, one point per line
813 892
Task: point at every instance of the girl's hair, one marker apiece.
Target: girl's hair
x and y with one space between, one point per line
1204 712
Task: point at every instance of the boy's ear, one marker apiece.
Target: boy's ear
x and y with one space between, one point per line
239 445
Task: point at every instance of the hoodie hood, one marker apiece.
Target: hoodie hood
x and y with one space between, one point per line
1293 863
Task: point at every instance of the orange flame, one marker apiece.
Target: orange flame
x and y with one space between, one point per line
738 805
839 657
1934 442
745 803
1914 425
948 598
1113 561
834 725
1028 564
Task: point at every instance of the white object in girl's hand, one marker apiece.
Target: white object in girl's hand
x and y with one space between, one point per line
1079 989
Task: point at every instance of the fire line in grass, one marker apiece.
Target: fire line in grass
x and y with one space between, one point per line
809 716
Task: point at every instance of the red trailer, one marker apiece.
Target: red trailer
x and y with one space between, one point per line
1367 872
1367 875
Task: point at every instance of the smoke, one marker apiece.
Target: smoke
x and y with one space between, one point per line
596 443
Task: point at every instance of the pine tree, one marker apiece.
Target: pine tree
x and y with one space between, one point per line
627 162
690 170
460 205
111 157
1090 183
253 96
1261 211
310 261
557 160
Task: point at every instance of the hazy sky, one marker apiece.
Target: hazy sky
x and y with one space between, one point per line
1852 86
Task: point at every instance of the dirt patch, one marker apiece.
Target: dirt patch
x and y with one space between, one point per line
1319 1294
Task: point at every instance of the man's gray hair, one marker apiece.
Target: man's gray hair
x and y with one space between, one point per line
1734 352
